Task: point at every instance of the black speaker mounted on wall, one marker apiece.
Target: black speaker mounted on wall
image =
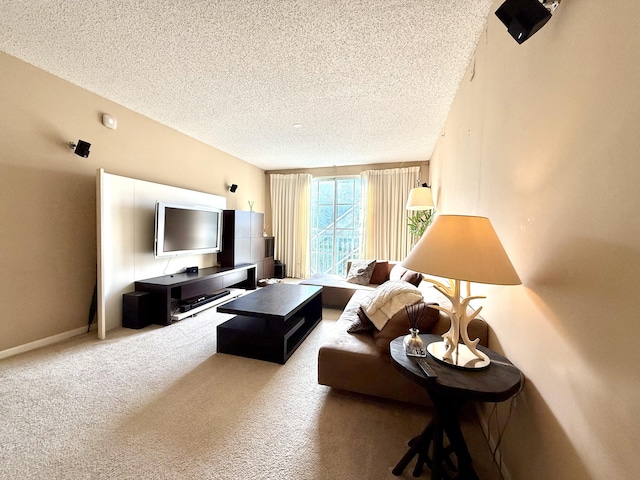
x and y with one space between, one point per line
81 148
523 18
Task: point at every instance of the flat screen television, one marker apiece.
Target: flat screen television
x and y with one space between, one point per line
186 230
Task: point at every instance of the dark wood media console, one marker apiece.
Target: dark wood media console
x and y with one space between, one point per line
168 289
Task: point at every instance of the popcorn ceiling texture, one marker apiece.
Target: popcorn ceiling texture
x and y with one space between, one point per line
370 81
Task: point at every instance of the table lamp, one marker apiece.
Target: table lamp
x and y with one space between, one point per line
461 248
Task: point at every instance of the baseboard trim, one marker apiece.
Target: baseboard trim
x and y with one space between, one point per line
484 426
9 352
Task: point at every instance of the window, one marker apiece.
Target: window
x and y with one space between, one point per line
335 220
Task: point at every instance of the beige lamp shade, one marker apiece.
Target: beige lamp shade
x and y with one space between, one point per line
420 198
462 248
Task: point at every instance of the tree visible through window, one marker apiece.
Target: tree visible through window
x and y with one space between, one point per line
335 219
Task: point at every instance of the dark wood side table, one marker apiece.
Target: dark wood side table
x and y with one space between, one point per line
449 391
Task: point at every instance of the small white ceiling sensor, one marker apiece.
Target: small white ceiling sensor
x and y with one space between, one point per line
109 122
297 125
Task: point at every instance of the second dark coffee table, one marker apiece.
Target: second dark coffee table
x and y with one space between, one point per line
270 323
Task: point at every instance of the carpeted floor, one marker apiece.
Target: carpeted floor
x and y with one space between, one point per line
159 403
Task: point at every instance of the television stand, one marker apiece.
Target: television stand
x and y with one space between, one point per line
168 290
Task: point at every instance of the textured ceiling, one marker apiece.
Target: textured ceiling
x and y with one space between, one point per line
368 81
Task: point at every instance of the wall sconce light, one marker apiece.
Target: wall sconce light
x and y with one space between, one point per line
232 188
523 18
420 198
81 148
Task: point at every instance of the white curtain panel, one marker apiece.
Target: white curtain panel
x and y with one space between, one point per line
291 211
385 232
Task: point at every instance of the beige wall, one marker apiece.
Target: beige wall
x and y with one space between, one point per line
48 229
334 172
543 138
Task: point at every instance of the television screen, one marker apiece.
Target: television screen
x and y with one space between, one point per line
186 230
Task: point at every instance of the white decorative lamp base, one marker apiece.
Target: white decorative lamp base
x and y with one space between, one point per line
451 351
461 357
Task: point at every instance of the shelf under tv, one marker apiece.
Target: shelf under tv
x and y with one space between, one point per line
233 293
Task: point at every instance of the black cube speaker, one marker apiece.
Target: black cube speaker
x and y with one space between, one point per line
523 18
280 270
136 309
82 148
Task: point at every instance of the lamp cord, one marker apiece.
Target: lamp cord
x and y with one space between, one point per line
494 413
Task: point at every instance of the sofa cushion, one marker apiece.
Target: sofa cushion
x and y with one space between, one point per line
398 272
414 278
380 273
386 300
353 363
336 291
361 271
361 324
399 324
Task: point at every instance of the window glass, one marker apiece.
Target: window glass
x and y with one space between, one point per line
335 216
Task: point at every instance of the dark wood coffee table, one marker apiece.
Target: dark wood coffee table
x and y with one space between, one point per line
270 323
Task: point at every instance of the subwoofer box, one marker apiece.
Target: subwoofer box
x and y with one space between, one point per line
136 309
280 270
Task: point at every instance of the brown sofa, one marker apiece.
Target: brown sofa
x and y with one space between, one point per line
360 362
337 291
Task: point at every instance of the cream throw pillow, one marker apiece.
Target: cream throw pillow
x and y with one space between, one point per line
387 300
